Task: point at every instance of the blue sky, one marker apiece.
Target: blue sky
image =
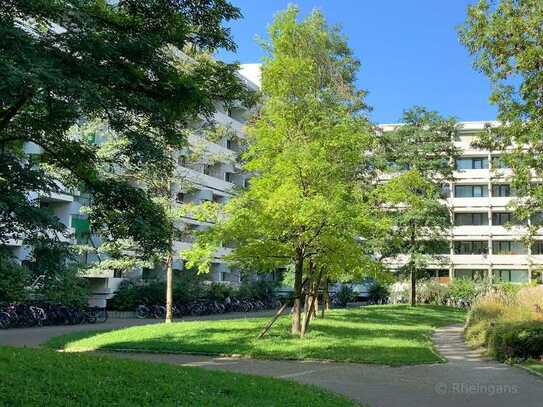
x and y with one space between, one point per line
409 51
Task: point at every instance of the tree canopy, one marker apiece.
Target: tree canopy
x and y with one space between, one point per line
420 155
506 39
140 66
309 148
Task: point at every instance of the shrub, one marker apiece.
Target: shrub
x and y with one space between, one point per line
463 289
187 288
378 292
13 279
67 288
218 291
344 296
261 289
432 292
399 292
516 341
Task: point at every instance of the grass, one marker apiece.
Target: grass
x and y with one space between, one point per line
43 377
507 325
392 335
535 366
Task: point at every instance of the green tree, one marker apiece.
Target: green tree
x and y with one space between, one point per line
65 61
309 148
165 190
506 40
420 154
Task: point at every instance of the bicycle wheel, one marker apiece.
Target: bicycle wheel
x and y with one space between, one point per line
5 320
101 315
142 312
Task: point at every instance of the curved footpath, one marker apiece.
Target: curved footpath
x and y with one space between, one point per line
466 380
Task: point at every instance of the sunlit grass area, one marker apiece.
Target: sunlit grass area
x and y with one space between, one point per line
37 377
387 334
535 366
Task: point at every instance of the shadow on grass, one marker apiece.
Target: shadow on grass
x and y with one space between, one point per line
384 334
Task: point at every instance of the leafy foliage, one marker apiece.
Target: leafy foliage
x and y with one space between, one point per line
187 288
68 60
309 147
505 39
344 296
423 149
13 279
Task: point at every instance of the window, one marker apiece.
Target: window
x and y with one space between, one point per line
207 169
510 276
470 191
182 161
475 275
501 190
475 163
437 247
228 176
537 218
499 163
465 219
537 247
508 247
471 247
502 218
180 197
229 144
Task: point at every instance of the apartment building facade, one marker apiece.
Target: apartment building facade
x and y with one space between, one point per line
214 176
486 239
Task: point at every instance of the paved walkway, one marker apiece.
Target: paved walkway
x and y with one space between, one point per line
466 380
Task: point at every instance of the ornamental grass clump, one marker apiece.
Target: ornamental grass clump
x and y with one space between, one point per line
508 323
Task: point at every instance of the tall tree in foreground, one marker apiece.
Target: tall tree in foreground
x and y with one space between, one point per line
506 39
422 149
309 148
64 61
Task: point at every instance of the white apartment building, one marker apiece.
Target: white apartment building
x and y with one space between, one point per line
214 177
481 246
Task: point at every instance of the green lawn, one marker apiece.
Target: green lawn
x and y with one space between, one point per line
534 365
33 377
387 334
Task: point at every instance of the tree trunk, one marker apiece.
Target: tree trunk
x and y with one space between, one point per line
316 306
413 287
297 305
325 298
169 289
307 318
313 286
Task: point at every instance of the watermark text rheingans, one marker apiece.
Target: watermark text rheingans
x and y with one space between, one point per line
475 388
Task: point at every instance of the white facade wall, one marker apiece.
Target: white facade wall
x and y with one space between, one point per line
498 262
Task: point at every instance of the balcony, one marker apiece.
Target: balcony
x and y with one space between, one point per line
509 259
475 175
204 180
225 120
472 260
471 231
480 202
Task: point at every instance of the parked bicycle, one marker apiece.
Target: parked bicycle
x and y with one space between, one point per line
206 307
30 315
